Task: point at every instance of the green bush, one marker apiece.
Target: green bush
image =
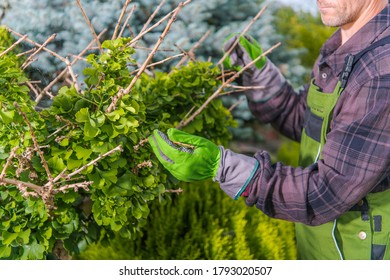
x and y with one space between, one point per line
203 223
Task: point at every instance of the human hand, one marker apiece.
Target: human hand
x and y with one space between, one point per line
187 157
244 52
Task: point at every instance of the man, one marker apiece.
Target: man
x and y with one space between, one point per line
340 196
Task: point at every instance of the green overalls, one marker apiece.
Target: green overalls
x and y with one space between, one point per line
363 232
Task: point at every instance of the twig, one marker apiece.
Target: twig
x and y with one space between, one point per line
254 19
231 108
31 86
14 182
178 191
114 35
153 15
226 83
122 92
118 148
13 45
26 52
141 34
52 83
159 62
192 50
126 21
71 73
30 58
37 45
35 141
89 24
9 159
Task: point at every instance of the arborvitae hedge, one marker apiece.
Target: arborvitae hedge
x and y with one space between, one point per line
204 223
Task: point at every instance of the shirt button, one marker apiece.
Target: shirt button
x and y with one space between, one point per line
360 203
362 235
324 75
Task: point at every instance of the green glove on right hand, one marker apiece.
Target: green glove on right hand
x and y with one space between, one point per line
186 164
244 52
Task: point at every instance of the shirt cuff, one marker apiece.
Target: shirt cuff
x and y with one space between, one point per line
235 171
266 83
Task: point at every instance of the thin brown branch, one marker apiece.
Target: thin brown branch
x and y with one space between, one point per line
14 182
141 34
13 45
52 83
159 62
71 73
30 58
126 21
26 52
8 162
37 45
122 92
191 52
35 141
225 84
118 148
89 24
124 8
152 16
254 19
231 108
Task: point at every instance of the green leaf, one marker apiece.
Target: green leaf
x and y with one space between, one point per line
82 153
9 237
5 251
149 181
7 116
33 251
90 131
82 116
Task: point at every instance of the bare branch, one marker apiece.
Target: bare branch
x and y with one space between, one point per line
152 16
141 34
35 141
226 83
114 35
30 58
254 19
9 159
118 148
89 24
37 45
52 83
122 92
13 45
126 21
191 52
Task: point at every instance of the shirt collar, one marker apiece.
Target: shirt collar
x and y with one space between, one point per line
332 53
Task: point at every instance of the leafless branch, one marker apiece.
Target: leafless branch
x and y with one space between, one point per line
114 35
123 92
89 24
225 84
13 45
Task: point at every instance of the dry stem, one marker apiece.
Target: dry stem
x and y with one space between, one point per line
122 92
114 35
225 84
89 24
13 45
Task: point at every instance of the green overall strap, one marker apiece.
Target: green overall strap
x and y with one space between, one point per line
352 235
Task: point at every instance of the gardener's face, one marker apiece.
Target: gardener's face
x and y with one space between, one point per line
338 13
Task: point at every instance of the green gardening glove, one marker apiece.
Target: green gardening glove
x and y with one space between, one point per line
187 157
245 51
